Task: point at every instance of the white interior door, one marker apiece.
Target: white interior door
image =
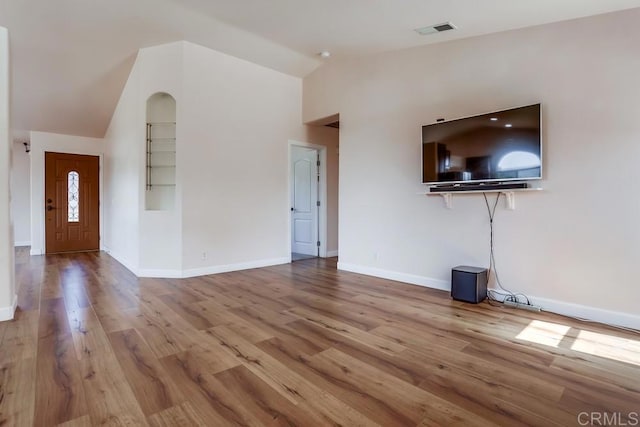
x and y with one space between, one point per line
304 198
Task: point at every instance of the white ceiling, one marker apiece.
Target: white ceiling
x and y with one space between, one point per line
71 58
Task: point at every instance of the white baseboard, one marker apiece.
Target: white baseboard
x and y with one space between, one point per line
143 272
6 313
331 254
193 272
594 314
160 273
397 276
22 243
122 260
215 269
36 251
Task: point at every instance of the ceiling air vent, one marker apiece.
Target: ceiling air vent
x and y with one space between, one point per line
438 28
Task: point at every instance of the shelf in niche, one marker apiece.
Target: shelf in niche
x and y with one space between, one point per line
509 194
161 146
161 153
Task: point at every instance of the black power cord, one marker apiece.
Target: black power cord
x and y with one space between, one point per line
505 294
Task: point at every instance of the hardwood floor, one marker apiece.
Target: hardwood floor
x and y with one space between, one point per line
300 344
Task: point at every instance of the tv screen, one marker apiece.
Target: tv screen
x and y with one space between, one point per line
500 146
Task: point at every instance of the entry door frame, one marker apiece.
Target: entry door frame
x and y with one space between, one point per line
57 167
322 195
38 231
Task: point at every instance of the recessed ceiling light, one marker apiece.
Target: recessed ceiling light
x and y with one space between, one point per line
494 119
325 54
508 125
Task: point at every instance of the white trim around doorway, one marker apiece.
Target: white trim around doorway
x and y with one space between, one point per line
40 143
322 195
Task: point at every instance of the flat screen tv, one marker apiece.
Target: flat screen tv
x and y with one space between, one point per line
492 147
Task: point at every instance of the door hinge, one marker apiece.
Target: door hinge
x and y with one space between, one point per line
318 243
318 203
318 163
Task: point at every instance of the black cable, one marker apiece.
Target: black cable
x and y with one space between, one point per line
506 294
491 215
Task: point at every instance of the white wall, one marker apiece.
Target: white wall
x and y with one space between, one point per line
575 245
234 120
42 142
147 242
237 118
122 189
161 70
21 194
7 272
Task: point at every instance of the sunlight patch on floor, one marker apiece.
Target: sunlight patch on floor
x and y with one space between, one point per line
596 344
544 333
608 346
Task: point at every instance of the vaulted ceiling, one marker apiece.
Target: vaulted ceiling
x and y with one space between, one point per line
71 58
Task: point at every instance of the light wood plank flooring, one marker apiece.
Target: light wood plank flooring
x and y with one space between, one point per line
300 344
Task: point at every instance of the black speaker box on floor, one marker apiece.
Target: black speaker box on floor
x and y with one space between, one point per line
469 284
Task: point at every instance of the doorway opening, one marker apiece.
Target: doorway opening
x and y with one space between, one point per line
323 140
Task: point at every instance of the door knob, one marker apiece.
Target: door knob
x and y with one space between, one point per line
293 209
50 208
49 201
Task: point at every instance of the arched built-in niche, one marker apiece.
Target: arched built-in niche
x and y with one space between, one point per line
161 152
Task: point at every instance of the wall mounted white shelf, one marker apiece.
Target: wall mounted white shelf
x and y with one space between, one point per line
510 195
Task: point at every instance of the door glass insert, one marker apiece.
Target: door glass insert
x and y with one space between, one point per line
73 191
